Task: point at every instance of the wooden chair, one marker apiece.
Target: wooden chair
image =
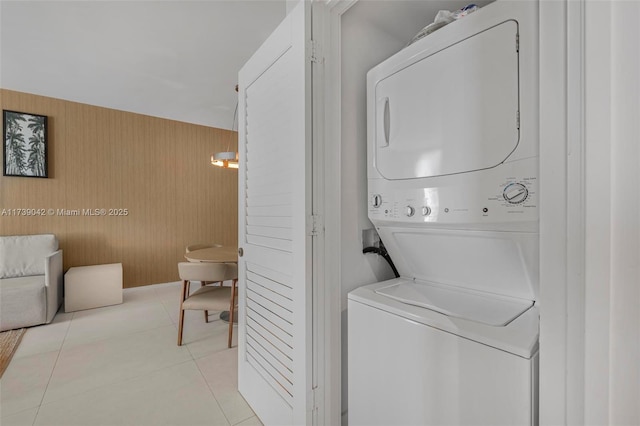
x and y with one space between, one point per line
207 297
200 246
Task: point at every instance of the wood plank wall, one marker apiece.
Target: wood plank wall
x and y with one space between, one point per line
157 169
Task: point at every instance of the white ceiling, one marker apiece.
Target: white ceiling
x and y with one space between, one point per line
171 59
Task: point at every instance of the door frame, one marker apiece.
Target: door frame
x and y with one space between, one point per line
562 212
327 22
579 246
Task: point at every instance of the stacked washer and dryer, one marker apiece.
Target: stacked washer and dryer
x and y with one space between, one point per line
453 190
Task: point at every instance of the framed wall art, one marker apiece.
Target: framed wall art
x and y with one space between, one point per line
24 144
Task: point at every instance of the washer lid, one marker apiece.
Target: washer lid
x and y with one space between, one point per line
476 306
520 337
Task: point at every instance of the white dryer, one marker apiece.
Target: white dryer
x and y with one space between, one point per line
452 172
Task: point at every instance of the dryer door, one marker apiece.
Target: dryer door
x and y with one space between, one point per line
453 111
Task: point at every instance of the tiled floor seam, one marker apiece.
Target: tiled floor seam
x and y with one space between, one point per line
111 383
128 379
213 393
66 333
118 336
164 306
17 413
244 420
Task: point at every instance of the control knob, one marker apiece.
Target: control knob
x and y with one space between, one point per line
410 211
426 210
376 201
515 193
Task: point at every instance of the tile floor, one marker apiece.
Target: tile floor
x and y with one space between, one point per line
120 365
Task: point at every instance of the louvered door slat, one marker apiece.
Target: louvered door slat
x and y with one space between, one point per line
268 292
270 273
278 288
271 232
270 305
283 199
280 364
276 222
280 386
272 319
273 173
276 184
275 347
273 211
278 338
273 243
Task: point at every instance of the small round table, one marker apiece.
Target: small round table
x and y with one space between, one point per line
214 254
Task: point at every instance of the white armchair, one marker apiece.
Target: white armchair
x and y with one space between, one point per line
30 280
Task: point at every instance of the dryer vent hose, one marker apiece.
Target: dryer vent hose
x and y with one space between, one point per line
381 251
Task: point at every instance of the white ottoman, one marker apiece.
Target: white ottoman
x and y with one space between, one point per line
87 287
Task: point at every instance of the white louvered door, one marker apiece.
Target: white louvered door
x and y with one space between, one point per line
275 322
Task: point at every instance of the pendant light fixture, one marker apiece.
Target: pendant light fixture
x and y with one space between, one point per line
227 159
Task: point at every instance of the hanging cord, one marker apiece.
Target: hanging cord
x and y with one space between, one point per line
233 123
382 251
233 126
235 113
235 116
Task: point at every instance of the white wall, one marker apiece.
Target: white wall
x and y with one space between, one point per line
357 269
358 33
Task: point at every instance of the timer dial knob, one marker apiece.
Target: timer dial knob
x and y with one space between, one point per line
376 201
515 193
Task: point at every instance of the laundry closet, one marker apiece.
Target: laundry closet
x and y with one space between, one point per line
454 198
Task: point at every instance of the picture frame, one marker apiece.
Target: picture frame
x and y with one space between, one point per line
25 144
